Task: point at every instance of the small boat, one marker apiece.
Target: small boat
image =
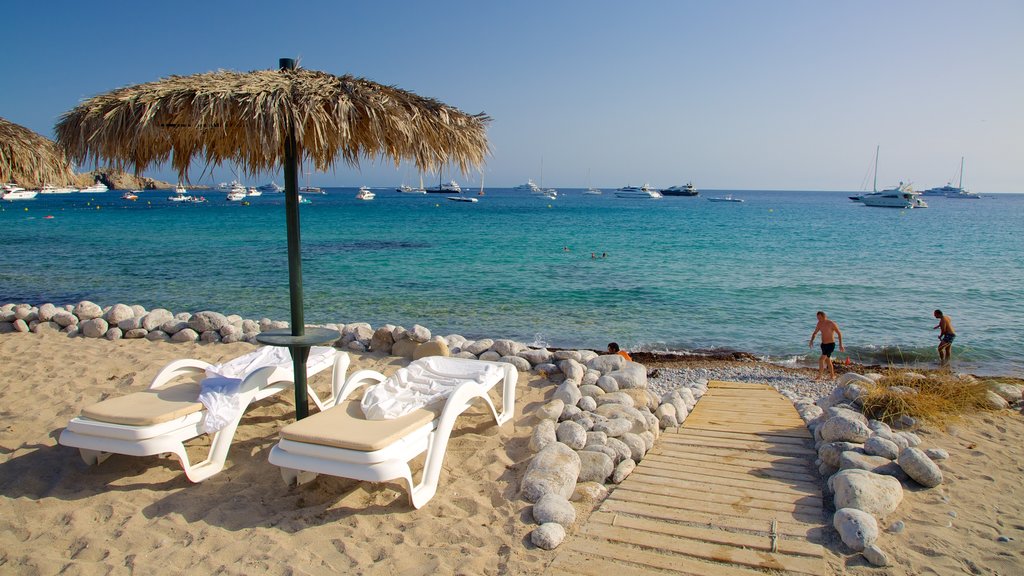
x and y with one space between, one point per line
592 192
236 195
726 198
95 188
410 190
253 192
130 195
304 200
461 198
688 190
180 194
196 199
644 192
365 194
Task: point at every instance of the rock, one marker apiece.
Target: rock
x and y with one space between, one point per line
623 470
571 434
844 429
158 335
479 347
608 384
666 414
911 438
134 333
185 335
622 452
607 363
65 318
1008 392
431 348
568 392
893 437
133 323
230 330
572 369
687 397
920 467
156 318
994 401
419 334
590 377
636 444
357 346
590 492
554 508
897 527
594 466
521 364
853 378
536 356
382 340
547 536
46 311
936 453
632 375
86 310
404 348
232 338
845 411
46 327
635 416
25 312
94 328
596 438
452 340
857 528
591 390
878 446
210 337
857 460
587 404
173 326
829 452
550 411
553 470
490 356
614 427
22 326
875 555
543 435
117 313
507 347
875 494
648 438
615 398
207 321
642 397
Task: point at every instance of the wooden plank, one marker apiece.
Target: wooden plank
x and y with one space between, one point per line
787 528
727 385
713 465
746 457
708 551
732 443
585 563
731 480
741 499
761 541
729 415
726 427
763 437
711 505
654 561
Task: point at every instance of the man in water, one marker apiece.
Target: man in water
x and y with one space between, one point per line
946 337
829 330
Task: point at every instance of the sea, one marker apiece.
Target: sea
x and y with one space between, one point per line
676 274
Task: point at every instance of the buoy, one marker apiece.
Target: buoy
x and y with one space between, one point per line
26 209
47 217
97 207
847 361
549 205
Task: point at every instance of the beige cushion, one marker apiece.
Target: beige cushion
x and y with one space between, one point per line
344 426
149 407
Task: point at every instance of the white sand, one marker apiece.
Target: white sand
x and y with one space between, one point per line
141 515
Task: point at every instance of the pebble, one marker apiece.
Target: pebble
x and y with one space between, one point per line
669 379
897 527
1004 539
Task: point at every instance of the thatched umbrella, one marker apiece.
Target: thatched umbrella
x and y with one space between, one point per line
28 158
267 119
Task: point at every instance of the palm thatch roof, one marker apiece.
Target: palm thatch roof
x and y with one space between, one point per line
244 118
30 159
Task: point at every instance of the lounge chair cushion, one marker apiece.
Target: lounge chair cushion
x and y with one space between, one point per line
148 407
344 426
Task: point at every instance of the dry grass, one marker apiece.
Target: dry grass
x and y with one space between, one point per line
239 117
30 159
939 398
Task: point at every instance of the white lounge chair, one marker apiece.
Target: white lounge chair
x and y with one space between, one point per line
160 419
342 442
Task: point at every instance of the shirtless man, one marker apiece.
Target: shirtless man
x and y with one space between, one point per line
829 330
946 336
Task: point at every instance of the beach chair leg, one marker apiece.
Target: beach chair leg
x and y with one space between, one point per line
293 477
93 457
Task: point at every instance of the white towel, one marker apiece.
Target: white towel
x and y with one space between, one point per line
422 383
220 396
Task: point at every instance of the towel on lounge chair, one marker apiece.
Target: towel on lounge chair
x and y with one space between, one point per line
218 392
420 384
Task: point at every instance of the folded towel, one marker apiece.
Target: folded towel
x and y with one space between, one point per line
422 383
220 396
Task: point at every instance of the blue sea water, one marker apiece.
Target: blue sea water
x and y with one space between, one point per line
679 273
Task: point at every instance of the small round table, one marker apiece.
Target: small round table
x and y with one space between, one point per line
299 346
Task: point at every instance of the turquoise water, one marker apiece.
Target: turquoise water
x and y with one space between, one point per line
680 273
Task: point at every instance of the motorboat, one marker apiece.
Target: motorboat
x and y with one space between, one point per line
410 190
549 193
639 193
726 198
180 194
687 190
58 190
461 198
304 200
902 196
95 188
196 199
253 192
950 191
130 195
236 195
365 194
592 192
964 195
446 188
946 190
271 187
11 192
530 187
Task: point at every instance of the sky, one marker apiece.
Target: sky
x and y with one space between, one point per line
734 94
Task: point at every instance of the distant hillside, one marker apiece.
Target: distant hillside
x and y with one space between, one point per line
118 180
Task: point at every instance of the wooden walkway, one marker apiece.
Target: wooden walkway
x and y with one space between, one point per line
733 491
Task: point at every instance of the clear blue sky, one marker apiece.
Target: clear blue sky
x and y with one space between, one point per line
729 94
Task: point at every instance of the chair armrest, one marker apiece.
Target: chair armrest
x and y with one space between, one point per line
356 381
177 368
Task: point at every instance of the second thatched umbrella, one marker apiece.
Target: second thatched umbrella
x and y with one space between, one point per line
268 119
30 159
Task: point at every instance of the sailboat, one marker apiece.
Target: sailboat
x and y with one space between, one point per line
410 190
901 196
591 191
950 191
311 189
451 186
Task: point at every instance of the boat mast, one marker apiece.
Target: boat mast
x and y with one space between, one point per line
874 185
961 185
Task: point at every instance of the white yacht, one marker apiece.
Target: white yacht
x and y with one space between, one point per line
97 187
404 189
688 190
236 195
180 194
592 192
253 192
365 194
530 187
902 196
634 192
271 187
11 192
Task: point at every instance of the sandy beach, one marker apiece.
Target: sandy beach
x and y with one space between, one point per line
141 515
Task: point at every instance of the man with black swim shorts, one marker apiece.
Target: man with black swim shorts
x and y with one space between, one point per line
946 337
829 331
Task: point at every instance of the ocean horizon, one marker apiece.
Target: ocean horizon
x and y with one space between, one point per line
675 274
